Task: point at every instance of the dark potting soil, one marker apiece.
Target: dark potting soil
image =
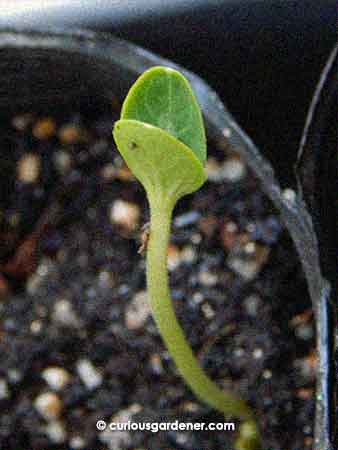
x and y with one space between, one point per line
77 341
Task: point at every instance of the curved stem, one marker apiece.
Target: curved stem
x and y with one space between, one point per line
165 317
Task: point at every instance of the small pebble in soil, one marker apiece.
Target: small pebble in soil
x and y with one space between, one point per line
307 366
77 443
137 311
257 353
14 376
251 305
191 407
198 297
301 318
208 225
33 283
181 439
188 254
156 364
196 238
45 266
4 288
227 132
108 172
305 394
63 162
207 279
123 289
307 429
44 128
247 261
229 234
186 219
174 257
89 374
56 377
308 441
106 279
71 134
125 214
36 326
118 440
212 169
4 389
304 331
267 374
48 405
21 122
28 168
208 311
238 352
56 432
64 314
231 170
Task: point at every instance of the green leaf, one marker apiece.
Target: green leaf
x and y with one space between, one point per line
163 97
166 167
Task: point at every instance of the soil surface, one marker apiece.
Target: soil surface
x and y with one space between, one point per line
77 340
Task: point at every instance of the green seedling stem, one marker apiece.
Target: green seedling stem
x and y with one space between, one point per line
161 137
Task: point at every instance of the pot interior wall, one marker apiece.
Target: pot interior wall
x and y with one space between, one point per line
36 78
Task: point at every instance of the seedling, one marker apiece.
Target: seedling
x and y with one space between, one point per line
162 139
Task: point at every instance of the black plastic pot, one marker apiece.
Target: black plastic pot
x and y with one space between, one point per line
318 173
38 69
